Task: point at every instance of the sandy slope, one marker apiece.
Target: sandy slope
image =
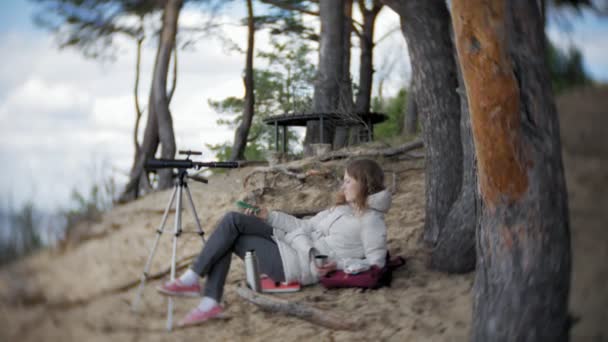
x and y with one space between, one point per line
72 295
420 305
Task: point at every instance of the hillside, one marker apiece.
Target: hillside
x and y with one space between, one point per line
83 292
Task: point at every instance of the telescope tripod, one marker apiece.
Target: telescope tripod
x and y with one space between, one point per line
181 184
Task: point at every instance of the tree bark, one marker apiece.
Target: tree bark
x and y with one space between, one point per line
523 243
174 80
326 97
143 185
454 251
159 99
147 151
366 65
138 112
241 133
411 113
426 28
346 89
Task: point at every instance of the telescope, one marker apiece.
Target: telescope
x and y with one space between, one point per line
155 164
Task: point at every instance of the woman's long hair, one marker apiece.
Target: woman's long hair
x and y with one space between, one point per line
370 177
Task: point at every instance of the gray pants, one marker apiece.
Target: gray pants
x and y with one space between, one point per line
237 233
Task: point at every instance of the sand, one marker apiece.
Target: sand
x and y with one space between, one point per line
77 293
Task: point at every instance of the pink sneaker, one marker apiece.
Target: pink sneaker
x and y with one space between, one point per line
178 289
197 316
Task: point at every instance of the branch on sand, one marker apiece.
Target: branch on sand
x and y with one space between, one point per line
300 310
289 171
301 175
387 152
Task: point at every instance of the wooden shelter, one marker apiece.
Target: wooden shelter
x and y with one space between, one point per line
366 121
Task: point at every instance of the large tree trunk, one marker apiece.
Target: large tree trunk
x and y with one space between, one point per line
240 135
523 243
366 65
326 97
426 28
138 177
159 99
346 104
147 151
454 251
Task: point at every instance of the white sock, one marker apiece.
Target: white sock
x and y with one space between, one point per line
207 303
189 278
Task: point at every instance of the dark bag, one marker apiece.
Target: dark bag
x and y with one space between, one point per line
373 278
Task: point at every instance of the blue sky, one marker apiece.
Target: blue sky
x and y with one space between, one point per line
589 33
67 122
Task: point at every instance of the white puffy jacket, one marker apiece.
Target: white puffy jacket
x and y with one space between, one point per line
337 232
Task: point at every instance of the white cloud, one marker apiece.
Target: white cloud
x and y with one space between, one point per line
114 113
60 113
37 99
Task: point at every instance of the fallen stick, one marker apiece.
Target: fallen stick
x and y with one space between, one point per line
289 171
300 310
387 152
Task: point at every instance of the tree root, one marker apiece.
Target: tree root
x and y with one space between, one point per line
387 152
289 171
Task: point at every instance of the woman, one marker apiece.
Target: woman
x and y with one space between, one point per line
352 233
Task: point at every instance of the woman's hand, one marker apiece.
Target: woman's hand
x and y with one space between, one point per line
326 269
261 213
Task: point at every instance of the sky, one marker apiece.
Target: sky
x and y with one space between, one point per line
66 122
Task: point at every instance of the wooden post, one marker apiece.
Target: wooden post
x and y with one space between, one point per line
321 128
276 135
285 132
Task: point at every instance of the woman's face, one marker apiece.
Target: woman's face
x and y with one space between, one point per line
350 187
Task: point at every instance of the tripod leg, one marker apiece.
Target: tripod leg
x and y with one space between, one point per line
176 233
198 223
159 232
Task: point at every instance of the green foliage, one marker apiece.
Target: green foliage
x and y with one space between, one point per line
284 87
566 68
394 107
91 26
222 152
288 20
23 235
25 225
89 209
290 78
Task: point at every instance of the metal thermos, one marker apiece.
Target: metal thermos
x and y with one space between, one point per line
252 271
